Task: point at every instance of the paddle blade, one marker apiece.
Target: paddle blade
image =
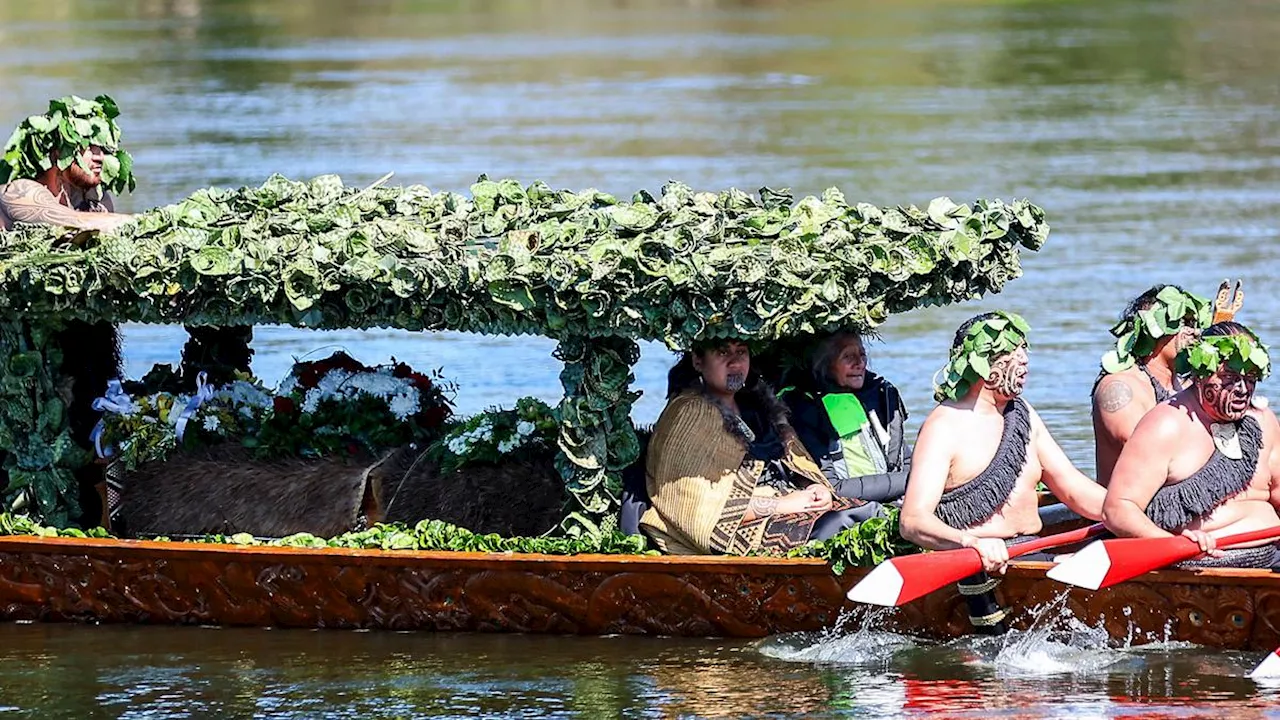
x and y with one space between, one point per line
1108 562
1269 667
902 579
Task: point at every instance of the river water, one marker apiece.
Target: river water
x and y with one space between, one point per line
1146 129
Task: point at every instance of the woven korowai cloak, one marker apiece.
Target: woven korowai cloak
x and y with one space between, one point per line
700 480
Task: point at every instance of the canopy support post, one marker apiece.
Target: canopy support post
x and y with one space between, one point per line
38 452
220 352
597 439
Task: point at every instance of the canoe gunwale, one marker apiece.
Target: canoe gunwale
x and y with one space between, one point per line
142 549
157 582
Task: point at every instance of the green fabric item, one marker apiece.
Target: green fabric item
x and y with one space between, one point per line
849 419
845 412
857 460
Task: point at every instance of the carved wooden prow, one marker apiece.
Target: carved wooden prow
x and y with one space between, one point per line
1228 301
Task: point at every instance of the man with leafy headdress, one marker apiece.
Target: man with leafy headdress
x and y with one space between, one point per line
61 167
1139 372
1207 462
983 449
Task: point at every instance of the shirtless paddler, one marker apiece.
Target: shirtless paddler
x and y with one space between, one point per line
983 449
1206 463
1139 372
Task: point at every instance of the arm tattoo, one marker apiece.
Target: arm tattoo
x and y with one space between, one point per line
30 202
1114 397
763 506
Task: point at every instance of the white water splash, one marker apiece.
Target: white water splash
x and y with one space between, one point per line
857 639
1056 643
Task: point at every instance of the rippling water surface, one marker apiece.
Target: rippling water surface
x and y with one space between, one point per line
1147 129
129 672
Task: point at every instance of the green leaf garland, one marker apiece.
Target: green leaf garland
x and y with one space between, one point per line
985 341
1241 353
1136 337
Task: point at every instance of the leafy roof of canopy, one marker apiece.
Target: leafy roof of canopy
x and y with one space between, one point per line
513 260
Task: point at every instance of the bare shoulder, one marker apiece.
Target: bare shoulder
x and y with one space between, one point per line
1164 422
1036 422
1117 391
1039 431
941 424
1267 420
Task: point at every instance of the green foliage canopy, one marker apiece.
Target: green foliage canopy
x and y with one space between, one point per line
513 260
1241 353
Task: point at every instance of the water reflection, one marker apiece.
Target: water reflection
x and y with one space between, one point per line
62 671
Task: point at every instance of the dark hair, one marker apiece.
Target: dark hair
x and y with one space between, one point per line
1227 328
963 330
1146 301
681 376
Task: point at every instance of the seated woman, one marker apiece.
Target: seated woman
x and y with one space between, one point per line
851 421
726 473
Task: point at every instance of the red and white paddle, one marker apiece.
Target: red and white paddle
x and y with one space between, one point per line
1108 562
1269 667
900 580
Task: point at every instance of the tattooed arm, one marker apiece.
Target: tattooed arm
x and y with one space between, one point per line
1119 406
813 498
28 201
760 507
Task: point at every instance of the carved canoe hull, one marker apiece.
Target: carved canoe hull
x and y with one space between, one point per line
114 581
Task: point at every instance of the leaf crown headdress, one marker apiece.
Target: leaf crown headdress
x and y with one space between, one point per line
1242 352
70 125
1140 329
988 337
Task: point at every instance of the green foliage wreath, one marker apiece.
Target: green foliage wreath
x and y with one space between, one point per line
1136 336
70 125
1241 353
985 341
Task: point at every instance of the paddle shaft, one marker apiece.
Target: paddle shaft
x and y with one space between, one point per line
900 580
1052 541
1247 537
1111 562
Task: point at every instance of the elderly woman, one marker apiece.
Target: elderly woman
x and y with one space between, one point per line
851 421
725 472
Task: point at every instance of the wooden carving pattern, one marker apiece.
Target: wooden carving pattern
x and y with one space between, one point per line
447 595
118 582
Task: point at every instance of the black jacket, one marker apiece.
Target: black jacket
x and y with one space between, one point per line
878 396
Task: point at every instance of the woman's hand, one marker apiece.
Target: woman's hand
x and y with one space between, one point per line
812 498
820 497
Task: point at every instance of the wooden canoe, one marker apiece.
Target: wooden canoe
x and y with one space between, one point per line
147 582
